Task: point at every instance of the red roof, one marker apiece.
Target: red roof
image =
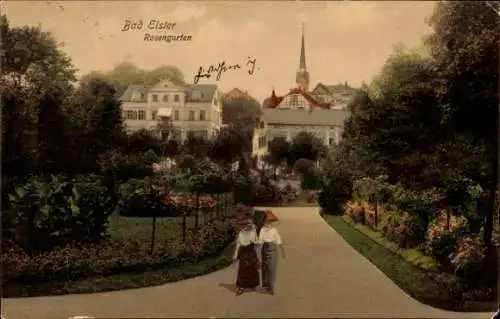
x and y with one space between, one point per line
274 101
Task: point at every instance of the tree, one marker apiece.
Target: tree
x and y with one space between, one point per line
400 121
243 113
36 77
142 141
465 47
279 150
229 145
305 145
195 146
302 166
126 73
96 123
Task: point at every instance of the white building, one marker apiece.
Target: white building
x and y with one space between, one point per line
321 111
259 145
189 108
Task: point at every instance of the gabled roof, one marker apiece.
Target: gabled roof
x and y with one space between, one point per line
273 101
326 117
129 92
207 92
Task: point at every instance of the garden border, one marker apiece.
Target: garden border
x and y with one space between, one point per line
405 274
122 281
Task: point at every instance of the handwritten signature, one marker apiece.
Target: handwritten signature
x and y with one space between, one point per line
223 67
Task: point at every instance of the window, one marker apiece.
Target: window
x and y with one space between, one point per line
165 98
202 115
331 141
131 115
176 115
155 97
215 101
141 115
153 115
294 100
191 115
176 98
142 96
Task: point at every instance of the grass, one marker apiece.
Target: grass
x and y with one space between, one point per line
139 228
417 282
130 280
413 256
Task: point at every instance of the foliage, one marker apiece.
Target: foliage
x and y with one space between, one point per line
142 141
243 113
311 179
127 73
229 145
405 229
278 149
145 198
66 264
58 211
467 261
302 165
443 236
306 146
120 167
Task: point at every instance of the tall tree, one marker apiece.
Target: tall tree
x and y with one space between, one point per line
36 76
465 47
97 124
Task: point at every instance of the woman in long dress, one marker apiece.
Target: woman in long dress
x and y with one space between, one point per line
246 255
271 242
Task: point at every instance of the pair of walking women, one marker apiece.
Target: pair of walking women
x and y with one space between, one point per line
257 249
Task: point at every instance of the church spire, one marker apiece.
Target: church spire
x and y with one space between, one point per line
302 76
302 65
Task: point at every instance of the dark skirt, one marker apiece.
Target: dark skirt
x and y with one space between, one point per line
248 268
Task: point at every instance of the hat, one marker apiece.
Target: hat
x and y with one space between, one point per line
270 217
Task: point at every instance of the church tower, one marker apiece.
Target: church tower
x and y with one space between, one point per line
302 77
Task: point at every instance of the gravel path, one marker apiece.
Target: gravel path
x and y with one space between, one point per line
322 277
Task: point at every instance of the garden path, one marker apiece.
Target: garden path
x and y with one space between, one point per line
321 277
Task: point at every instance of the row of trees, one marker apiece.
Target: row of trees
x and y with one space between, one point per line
430 118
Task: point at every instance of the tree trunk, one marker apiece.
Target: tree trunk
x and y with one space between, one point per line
184 226
196 211
153 235
490 204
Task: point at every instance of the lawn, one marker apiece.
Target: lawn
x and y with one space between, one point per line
139 228
421 285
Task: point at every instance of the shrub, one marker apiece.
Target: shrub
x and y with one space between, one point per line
334 193
68 263
309 196
442 241
405 229
355 211
121 167
467 260
311 179
266 193
59 211
144 198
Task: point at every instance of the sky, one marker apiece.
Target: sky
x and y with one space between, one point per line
345 41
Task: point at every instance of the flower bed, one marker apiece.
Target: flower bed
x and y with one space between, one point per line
69 264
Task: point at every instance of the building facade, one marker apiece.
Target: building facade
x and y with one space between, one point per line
321 111
259 145
187 109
